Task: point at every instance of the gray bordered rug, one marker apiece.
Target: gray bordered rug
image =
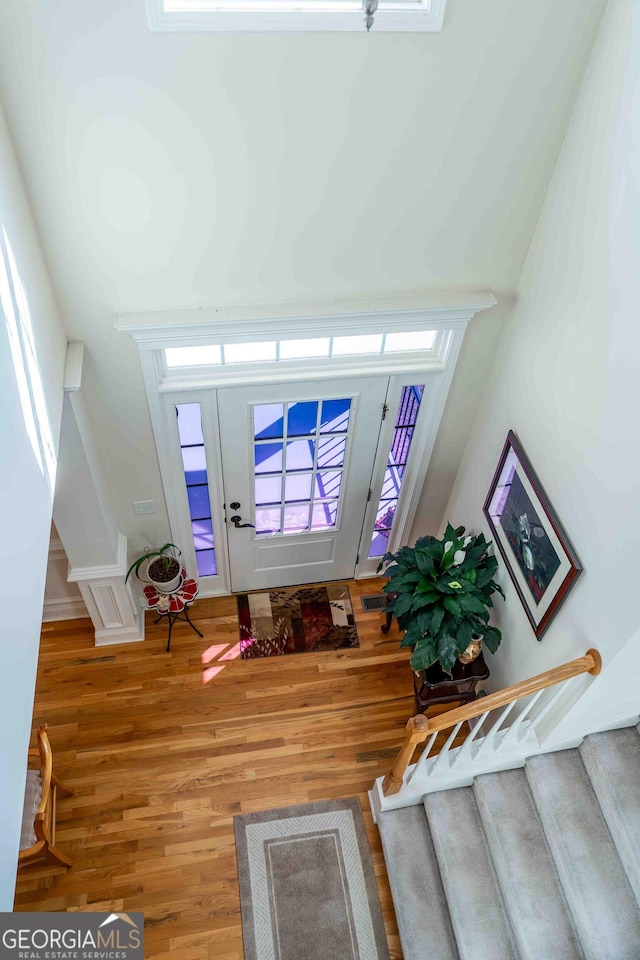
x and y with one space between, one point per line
307 886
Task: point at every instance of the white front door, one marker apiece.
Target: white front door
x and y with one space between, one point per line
297 461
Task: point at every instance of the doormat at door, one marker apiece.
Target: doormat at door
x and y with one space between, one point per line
296 620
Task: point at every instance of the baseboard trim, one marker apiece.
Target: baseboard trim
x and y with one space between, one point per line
64 608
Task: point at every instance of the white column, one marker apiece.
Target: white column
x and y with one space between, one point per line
86 524
109 600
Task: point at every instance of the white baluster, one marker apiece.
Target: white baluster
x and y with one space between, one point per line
489 740
513 733
465 750
445 750
551 703
420 765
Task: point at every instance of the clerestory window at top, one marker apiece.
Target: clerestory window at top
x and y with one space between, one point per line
314 348
296 15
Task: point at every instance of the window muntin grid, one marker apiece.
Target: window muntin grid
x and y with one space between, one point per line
195 474
299 455
396 463
283 351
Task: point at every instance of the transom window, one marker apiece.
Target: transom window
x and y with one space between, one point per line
299 457
296 15
265 351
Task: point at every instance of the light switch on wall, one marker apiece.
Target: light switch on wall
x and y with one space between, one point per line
144 506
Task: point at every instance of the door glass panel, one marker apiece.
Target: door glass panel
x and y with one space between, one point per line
331 451
300 454
302 419
296 517
189 424
268 457
268 489
202 534
195 474
324 514
268 520
268 421
398 455
199 502
298 486
206 560
195 465
335 416
328 484
311 491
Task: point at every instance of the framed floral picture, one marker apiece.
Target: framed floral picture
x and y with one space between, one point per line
534 546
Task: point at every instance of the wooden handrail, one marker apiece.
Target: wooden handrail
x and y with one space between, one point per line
417 732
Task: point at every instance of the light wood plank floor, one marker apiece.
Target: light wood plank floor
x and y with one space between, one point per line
163 749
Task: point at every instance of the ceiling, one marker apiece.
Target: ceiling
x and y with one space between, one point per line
194 169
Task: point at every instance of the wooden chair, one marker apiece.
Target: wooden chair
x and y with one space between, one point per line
37 841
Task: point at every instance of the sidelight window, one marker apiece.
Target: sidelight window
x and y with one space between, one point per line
195 474
396 464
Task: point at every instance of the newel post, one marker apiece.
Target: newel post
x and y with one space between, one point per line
416 733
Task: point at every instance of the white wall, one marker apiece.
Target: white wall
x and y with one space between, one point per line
29 425
474 363
62 598
567 375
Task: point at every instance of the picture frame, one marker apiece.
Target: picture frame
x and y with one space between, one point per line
537 552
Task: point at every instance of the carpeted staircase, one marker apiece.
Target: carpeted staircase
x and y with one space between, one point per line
538 863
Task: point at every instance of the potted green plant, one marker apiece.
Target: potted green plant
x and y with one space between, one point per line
442 596
159 567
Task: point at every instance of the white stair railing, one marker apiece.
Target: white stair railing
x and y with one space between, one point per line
476 749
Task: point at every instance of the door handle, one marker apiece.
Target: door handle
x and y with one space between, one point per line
236 521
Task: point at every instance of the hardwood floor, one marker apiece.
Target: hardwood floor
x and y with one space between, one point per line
163 749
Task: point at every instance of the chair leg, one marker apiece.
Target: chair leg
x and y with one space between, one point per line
58 857
65 791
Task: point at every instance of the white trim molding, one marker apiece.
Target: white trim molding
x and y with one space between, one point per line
155 330
73 366
63 608
448 314
117 569
57 605
116 616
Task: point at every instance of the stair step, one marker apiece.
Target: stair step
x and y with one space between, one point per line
612 760
416 886
478 914
528 878
596 887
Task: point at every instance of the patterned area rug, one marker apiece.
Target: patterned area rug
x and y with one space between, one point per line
296 620
307 886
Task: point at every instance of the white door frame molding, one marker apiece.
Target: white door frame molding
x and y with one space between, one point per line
436 388
448 314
